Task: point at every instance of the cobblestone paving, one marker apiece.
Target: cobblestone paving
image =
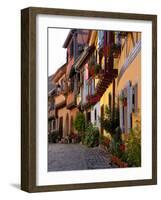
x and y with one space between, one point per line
65 157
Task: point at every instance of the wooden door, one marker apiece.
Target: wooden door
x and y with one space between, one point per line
102 116
61 127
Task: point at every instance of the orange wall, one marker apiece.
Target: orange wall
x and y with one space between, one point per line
70 97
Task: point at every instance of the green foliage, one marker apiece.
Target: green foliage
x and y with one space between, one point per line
79 122
104 140
117 135
134 147
110 121
101 139
91 138
115 150
118 149
132 153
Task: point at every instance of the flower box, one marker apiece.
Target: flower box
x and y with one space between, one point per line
93 99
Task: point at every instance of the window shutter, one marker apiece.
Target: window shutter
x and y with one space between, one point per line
121 113
93 86
84 88
129 105
133 99
136 97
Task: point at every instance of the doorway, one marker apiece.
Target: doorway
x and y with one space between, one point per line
60 127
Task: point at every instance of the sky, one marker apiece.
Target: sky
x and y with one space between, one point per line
56 53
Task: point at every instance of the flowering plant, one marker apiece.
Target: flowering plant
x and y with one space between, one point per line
122 147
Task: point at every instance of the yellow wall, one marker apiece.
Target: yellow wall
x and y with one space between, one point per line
92 38
133 72
104 101
127 45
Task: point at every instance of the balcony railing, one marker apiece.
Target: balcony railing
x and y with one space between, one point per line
94 70
60 104
105 79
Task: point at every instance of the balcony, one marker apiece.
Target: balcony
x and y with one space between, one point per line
105 79
94 70
60 104
62 89
60 101
71 100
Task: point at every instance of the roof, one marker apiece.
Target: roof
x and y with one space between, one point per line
51 86
60 71
69 37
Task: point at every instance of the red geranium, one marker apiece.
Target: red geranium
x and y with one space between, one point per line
122 147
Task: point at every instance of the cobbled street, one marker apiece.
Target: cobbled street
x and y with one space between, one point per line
65 157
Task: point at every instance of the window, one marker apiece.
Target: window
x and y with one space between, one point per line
100 39
137 37
88 117
135 98
117 39
110 101
58 88
93 86
95 114
62 84
96 54
81 78
80 48
67 56
72 84
71 49
54 125
71 125
102 116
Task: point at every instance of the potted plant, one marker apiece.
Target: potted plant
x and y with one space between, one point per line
79 122
91 135
119 154
134 146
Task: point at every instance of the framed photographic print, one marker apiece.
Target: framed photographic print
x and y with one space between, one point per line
89 99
